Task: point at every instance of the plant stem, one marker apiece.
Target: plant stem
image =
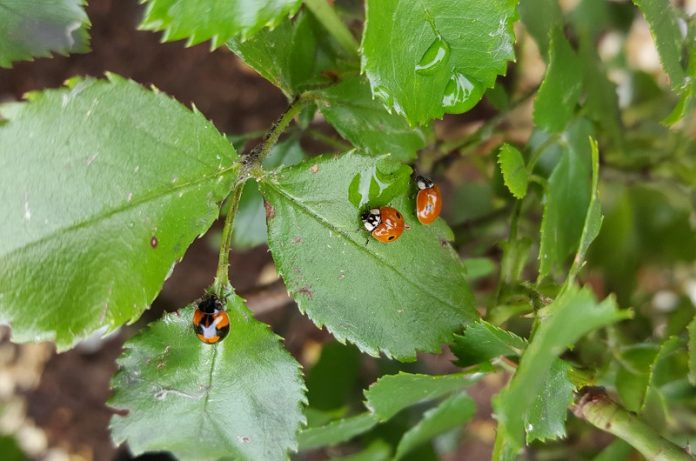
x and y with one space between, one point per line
595 407
222 274
260 152
332 23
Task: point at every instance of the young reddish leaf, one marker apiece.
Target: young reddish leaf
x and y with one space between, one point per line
433 57
240 398
216 20
38 28
375 295
105 186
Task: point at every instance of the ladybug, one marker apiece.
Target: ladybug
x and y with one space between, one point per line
385 224
428 201
210 321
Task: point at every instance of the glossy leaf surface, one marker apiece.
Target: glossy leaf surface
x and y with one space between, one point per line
324 255
90 236
38 28
216 20
240 398
433 57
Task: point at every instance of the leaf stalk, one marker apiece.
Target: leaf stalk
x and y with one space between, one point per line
332 23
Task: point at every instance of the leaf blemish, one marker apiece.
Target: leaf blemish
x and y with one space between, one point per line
270 211
306 291
297 239
244 439
153 241
314 168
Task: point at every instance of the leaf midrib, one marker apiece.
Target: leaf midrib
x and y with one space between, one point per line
362 248
124 206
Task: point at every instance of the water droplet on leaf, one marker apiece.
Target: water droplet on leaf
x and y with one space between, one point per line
435 56
461 94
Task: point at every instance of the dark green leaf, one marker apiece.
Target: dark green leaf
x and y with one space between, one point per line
376 451
240 398
662 20
99 203
559 92
323 254
450 414
477 268
333 377
547 415
514 170
539 17
336 432
436 56
216 20
567 198
573 314
482 342
692 351
293 56
38 28
250 221
364 121
393 393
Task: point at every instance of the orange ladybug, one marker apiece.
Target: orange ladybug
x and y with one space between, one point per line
210 321
385 224
428 201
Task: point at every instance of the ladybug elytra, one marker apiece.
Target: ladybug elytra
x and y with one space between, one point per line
210 321
428 201
385 224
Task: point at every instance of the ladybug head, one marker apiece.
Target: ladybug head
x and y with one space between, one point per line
371 219
210 303
423 183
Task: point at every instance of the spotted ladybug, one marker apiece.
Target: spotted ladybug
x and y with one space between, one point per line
428 201
385 224
210 321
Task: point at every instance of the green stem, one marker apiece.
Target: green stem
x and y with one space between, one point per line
595 407
332 23
222 274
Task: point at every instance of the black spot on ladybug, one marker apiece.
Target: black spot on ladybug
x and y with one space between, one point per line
398 215
391 237
153 241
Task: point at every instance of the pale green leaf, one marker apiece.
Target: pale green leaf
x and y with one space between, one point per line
105 186
393 393
293 56
377 296
662 20
547 415
216 20
364 121
572 315
335 432
482 342
567 198
514 170
240 398
38 28
449 414
618 450
432 57
559 92
378 450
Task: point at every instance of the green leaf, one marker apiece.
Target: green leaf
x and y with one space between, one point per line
332 379
515 256
99 202
539 17
618 450
547 415
424 61
393 393
33 29
662 20
364 122
482 342
633 376
559 92
593 218
378 450
567 198
514 171
450 414
477 268
692 351
240 398
572 315
323 254
335 432
293 56
250 222
216 20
